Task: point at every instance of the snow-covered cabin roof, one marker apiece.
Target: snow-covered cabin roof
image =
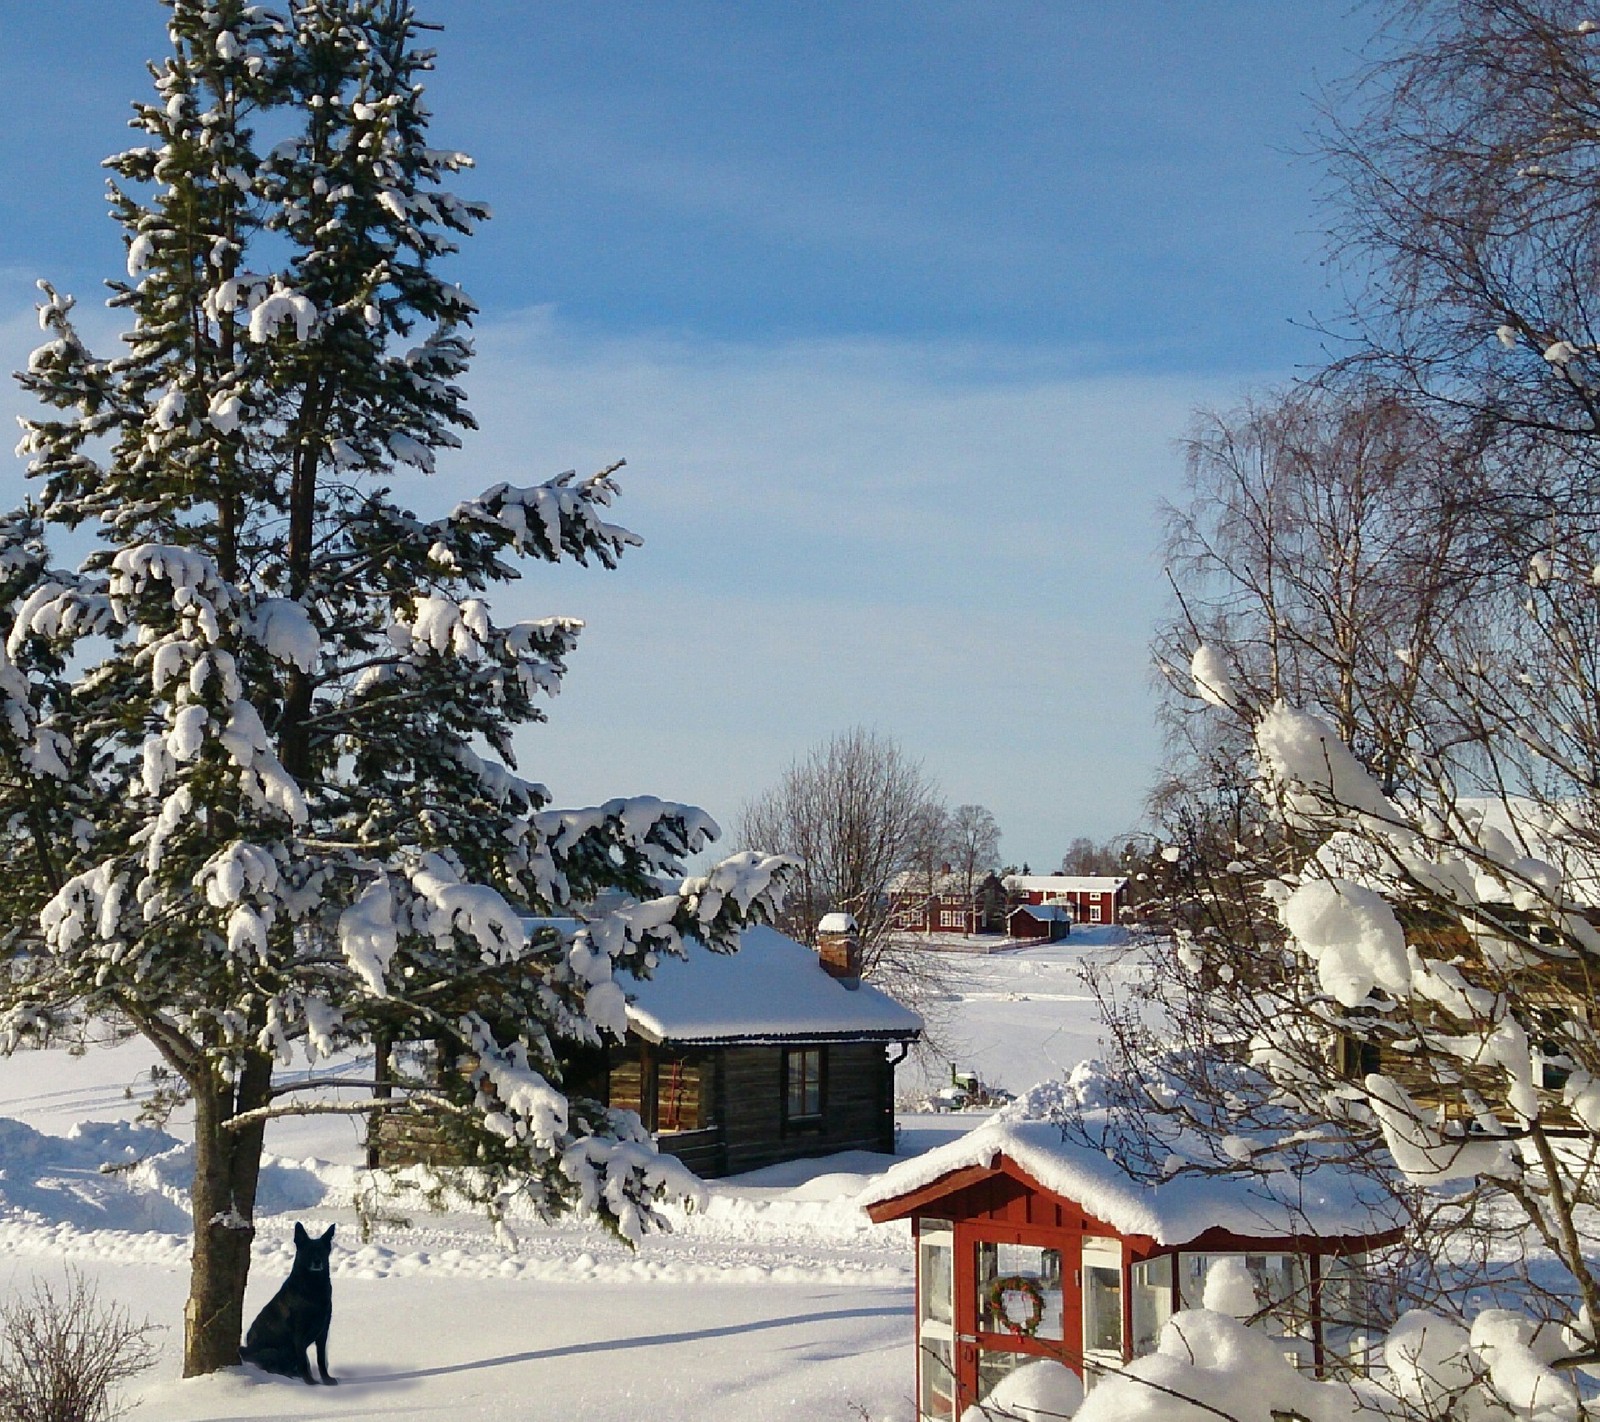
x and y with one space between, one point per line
1324 1202
1045 913
1066 883
772 990
837 923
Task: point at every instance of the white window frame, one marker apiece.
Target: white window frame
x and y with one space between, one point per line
1101 1253
933 1235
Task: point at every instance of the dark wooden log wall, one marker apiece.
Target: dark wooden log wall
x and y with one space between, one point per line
748 1097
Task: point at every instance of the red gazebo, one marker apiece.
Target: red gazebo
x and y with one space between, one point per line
1029 1246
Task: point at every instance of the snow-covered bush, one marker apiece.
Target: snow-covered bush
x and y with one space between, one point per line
1395 980
1209 1362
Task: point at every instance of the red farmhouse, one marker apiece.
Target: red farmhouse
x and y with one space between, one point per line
1091 898
944 903
1029 1246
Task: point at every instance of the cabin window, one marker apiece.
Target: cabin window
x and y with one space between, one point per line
1551 1031
1019 1290
802 1085
936 1400
1358 1059
949 918
679 1100
1094 912
667 1090
1151 1282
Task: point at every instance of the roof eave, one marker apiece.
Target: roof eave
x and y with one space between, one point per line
771 1039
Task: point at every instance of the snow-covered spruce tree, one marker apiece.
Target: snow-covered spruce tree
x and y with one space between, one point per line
258 785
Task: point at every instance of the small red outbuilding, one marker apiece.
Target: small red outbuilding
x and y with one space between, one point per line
1032 1246
1046 923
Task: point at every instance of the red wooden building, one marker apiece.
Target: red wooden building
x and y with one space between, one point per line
1029 1246
1044 923
1090 898
943 903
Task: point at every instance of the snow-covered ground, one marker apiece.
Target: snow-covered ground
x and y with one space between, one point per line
778 1300
1016 1015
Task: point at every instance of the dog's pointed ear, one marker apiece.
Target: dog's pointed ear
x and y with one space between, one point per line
300 1235
327 1236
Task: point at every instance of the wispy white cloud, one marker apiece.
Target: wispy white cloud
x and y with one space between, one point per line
951 543
954 544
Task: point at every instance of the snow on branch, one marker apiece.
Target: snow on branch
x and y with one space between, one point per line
549 520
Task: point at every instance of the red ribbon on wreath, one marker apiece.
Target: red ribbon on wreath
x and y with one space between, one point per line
1028 1287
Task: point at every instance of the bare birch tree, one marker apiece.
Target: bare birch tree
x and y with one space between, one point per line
974 844
854 814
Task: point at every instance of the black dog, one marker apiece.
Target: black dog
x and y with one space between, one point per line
298 1315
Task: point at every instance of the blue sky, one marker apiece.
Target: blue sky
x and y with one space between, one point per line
896 312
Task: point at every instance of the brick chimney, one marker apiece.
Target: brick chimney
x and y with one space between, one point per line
839 948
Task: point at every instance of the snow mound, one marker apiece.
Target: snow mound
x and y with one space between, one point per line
1041 1391
86 1179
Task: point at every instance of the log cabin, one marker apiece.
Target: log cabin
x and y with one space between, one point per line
773 1053
732 1061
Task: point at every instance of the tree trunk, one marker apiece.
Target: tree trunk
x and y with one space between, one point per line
227 1168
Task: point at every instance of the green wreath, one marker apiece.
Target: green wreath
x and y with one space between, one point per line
1028 1287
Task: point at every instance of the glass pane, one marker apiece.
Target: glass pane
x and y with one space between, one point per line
1151 1282
804 1068
1191 1280
1102 1309
937 1370
938 1286
1019 1290
1282 1288
1347 1312
678 1096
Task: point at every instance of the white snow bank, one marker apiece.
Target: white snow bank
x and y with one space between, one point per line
1209 1364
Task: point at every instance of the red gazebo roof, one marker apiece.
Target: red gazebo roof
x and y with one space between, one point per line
1322 1202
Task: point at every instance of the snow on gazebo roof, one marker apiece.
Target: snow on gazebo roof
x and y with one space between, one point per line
1322 1202
772 989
